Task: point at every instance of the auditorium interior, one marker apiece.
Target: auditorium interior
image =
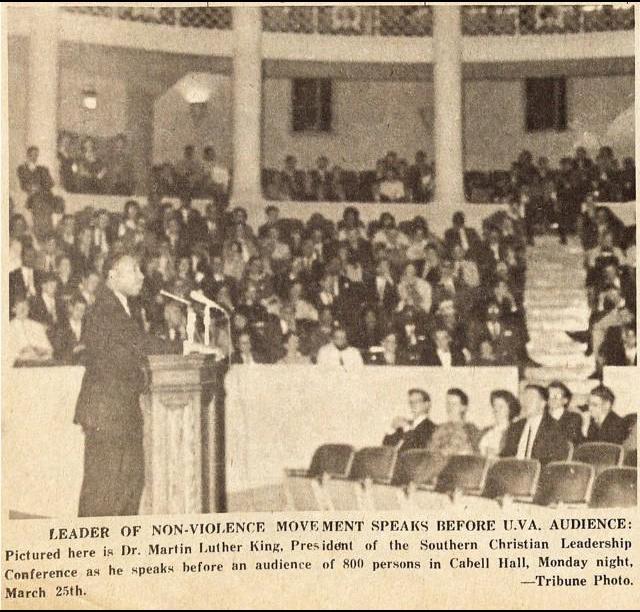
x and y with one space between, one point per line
389 216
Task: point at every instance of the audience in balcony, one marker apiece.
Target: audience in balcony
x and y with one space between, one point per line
550 195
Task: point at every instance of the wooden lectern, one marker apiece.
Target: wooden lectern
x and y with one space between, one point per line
183 435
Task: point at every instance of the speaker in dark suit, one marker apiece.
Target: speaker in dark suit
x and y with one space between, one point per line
108 407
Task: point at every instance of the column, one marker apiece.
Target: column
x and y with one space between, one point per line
447 85
42 96
247 106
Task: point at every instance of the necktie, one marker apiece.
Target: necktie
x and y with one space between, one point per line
529 442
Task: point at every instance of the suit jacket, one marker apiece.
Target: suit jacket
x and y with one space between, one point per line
412 438
612 349
431 356
17 286
114 378
64 341
550 444
613 429
38 178
38 312
390 297
570 424
452 238
506 344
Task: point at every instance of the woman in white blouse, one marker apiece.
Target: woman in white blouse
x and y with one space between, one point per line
505 408
26 339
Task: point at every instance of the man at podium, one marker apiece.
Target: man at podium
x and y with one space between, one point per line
108 407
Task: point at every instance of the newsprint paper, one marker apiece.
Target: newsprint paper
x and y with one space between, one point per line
319 306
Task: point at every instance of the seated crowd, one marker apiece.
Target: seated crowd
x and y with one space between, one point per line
610 261
384 294
387 293
545 428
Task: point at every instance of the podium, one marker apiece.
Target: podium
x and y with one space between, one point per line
183 435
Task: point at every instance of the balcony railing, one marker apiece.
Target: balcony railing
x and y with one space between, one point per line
211 18
350 20
489 20
545 19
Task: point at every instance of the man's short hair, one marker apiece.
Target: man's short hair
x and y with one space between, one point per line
558 384
111 261
459 393
604 393
271 208
421 392
542 391
32 148
458 218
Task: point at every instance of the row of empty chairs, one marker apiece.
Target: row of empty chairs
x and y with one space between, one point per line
600 475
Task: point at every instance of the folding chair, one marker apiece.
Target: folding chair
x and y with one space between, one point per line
615 488
565 483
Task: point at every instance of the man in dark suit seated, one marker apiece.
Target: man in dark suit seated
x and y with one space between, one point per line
46 307
66 336
415 432
620 346
24 281
537 435
244 353
601 423
33 177
506 342
461 235
570 422
441 351
108 406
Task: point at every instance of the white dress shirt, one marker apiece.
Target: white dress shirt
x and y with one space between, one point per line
123 300
529 433
445 358
330 356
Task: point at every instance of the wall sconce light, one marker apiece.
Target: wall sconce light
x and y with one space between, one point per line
89 99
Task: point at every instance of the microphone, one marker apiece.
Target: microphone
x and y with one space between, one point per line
198 296
174 297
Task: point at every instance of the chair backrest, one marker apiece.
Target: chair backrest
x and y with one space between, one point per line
419 467
374 462
332 459
599 453
631 458
465 473
615 488
517 478
565 482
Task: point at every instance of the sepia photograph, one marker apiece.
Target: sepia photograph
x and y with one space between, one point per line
329 258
